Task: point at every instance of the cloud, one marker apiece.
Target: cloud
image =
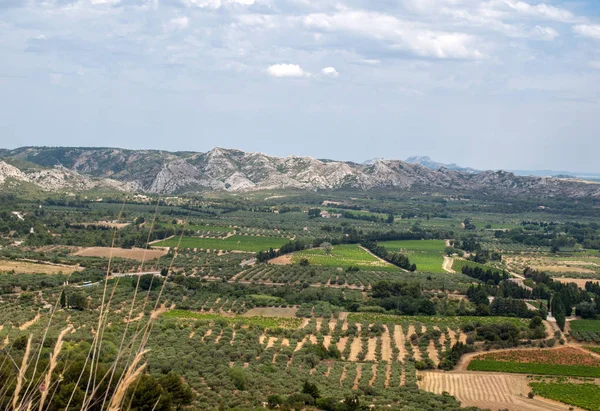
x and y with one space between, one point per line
396 34
108 2
544 33
217 4
541 10
588 30
330 72
286 70
178 23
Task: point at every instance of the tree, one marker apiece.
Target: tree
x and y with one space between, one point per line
304 262
181 394
326 247
63 299
311 389
78 300
146 394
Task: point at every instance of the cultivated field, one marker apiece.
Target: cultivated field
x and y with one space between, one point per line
26 267
344 256
248 243
132 253
426 254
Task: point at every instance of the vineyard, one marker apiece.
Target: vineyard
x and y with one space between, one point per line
585 330
586 396
563 362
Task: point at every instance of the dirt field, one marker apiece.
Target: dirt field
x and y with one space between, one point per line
132 253
25 267
487 390
271 312
579 281
282 260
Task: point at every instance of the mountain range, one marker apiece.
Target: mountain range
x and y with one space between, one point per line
162 172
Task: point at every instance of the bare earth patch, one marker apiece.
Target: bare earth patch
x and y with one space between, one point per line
133 253
282 260
29 323
579 281
289 312
486 390
26 267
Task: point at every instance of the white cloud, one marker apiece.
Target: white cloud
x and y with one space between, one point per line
588 30
541 10
330 72
216 4
397 34
286 70
595 64
544 33
178 23
110 2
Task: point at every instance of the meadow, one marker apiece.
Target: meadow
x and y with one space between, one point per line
426 254
344 256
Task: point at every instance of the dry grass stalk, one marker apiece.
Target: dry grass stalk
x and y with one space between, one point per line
52 366
21 376
132 374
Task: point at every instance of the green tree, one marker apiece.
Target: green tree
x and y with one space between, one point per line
181 394
311 389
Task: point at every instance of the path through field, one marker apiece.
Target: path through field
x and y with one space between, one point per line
447 266
488 390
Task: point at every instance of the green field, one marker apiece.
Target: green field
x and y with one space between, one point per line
265 322
533 368
585 325
233 243
586 396
433 320
426 254
344 255
459 264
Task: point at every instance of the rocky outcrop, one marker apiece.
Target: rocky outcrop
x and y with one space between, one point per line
235 170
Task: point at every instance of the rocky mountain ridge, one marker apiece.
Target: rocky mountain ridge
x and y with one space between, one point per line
164 172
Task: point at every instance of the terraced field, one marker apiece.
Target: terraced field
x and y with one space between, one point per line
426 254
344 256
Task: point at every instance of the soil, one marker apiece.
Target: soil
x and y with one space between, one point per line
26 267
487 390
355 349
358 375
371 346
386 349
281 260
29 323
447 265
132 253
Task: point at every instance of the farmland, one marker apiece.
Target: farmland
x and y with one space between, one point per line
585 330
239 330
586 396
562 362
426 254
344 256
233 243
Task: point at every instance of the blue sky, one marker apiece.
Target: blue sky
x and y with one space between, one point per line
484 83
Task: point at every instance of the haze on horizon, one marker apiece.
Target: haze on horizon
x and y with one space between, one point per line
487 84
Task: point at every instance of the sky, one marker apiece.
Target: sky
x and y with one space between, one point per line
483 83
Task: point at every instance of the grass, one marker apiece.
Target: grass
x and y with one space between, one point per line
264 322
593 349
433 320
533 368
585 325
344 256
586 396
459 264
233 243
426 254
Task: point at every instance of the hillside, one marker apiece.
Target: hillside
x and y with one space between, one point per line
234 170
